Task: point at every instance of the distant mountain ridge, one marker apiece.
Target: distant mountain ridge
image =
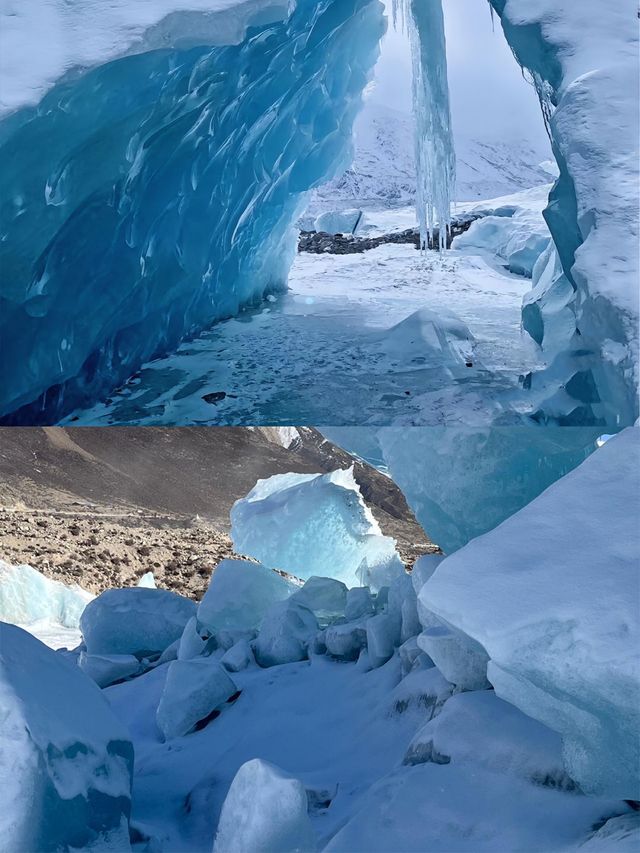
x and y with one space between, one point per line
383 171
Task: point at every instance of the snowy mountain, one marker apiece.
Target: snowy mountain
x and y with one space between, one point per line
383 170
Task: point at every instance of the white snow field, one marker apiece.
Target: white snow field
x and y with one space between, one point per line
276 521
318 720
327 351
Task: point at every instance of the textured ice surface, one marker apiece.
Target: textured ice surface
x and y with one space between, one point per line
134 621
462 482
66 761
340 221
435 156
478 728
265 811
559 618
584 61
459 658
314 524
107 669
286 633
155 193
239 594
27 596
325 597
512 229
192 691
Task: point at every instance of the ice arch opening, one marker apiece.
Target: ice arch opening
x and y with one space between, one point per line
154 193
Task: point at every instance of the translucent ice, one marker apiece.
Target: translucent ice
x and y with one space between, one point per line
340 221
153 193
326 597
435 157
286 633
239 594
265 811
192 691
134 621
27 596
66 761
314 524
107 669
558 612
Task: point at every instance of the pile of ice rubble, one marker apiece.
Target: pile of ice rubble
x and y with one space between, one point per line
485 701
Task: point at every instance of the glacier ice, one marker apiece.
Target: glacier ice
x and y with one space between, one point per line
559 622
265 811
583 58
325 597
27 596
346 641
66 761
340 221
286 633
359 603
478 728
461 482
193 690
381 636
314 524
512 229
191 642
239 594
238 657
459 658
153 194
135 621
107 669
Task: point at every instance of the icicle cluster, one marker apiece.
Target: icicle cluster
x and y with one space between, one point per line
435 156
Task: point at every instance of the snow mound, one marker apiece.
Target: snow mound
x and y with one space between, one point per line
27 597
135 621
239 595
314 524
561 626
265 811
67 762
441 338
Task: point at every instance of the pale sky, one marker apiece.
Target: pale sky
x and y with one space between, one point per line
486 84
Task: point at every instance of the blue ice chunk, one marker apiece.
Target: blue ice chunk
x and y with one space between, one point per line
67 762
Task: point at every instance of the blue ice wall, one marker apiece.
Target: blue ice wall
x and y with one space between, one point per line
584 307
154 195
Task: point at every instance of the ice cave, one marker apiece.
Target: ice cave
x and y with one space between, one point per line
156 157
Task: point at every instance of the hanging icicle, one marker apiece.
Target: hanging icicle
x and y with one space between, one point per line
435 156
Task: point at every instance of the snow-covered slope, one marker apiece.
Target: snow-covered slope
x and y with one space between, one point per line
383 170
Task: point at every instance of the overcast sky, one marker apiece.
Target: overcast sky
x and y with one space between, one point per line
486 84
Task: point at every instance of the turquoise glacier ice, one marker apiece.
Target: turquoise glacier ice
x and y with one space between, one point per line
154 194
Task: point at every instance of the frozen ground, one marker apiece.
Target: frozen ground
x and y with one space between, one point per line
316 355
